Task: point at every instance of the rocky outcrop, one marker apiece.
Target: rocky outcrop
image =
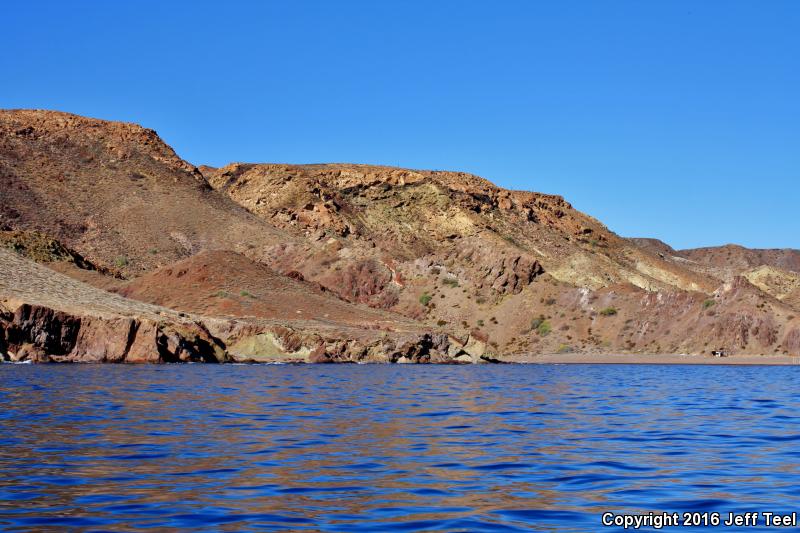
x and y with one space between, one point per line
362 280
512 274
738 330
279 343
791 343
42 334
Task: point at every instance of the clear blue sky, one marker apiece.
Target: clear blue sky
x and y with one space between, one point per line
677 120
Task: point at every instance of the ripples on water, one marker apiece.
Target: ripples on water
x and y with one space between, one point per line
384 448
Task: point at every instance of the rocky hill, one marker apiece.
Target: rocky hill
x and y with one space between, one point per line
356 262
113 191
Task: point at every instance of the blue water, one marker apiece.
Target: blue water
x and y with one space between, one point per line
390 448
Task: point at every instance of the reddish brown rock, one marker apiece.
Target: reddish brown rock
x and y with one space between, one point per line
103 341
42 334
791 342
144 348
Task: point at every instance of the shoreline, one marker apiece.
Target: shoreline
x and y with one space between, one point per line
532 359
653 359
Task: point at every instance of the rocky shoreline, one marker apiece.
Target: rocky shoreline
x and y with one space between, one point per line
39 334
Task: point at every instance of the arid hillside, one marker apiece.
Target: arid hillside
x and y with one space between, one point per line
358 262
724 262
114 191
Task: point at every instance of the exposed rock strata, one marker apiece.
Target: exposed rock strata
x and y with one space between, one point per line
41 334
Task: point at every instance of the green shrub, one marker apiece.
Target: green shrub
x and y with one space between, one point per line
121 261
480 323
544 328
564 348
450 282
608 311
708 303
246 294
425 299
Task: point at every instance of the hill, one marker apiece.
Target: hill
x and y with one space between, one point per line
360 262
113 191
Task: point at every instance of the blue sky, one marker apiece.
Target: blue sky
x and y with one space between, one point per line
677 120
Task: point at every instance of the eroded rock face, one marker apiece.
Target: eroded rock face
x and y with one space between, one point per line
505 274
103 341
791 342
286 344
512 274
43 330
41 334
361 281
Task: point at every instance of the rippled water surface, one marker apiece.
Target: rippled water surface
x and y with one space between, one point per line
383 448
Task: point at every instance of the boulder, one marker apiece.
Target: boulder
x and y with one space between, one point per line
475 346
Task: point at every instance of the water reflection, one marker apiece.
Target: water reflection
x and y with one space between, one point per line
338 448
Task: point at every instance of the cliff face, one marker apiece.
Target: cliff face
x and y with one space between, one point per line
341 262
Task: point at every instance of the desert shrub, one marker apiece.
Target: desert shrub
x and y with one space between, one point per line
246 294
550 301
608 311
425 299
708 303
544 328
480 323
565 348
441 323
121 261
450 282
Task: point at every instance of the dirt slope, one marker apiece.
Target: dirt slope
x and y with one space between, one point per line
223 283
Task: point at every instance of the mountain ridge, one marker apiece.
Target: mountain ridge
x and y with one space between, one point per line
485 270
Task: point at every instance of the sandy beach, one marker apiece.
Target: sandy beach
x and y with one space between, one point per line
653 359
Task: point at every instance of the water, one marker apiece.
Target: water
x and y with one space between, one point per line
390 448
